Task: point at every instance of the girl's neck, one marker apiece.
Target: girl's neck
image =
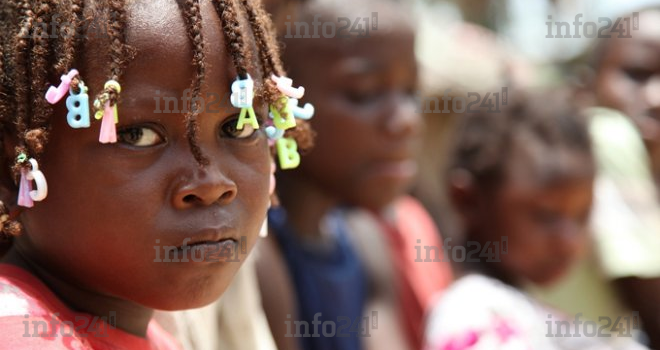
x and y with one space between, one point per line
306 204
491 269
130 317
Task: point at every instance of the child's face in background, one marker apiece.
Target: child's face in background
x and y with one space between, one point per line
109 204
544 220
368 132
628 78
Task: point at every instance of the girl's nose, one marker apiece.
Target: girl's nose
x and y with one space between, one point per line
205 187
403 120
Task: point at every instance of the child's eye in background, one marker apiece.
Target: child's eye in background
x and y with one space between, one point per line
363 97
229 129
139 136
639 75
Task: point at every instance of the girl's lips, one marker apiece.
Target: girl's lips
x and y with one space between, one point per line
205 252
399 169
214 251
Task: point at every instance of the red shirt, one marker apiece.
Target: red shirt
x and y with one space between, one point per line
33 318
420 280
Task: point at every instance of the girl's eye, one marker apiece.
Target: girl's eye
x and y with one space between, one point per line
139 136
362 97
229 129
639 75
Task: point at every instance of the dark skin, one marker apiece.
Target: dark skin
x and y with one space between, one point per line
544 221
92 239
367 138
629 80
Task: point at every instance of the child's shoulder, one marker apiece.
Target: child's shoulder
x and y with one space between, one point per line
21 293
26 314
480 309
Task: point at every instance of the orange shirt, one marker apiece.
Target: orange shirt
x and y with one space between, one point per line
33 318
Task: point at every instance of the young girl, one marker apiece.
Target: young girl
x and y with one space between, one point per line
108 222
324 291
522 179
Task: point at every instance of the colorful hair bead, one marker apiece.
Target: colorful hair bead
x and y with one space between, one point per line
242 95
305 113
274 133
109 114
284 84
55 94
285 121
26 195
287 152
78 106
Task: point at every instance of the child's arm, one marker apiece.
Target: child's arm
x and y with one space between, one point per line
277 293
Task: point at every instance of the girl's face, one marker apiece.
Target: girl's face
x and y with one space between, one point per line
629 77
112 208
544 222
368 131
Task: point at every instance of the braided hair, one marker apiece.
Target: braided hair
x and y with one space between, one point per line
484 142
30 55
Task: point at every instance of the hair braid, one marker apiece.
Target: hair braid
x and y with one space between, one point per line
193 17
37 124
231 26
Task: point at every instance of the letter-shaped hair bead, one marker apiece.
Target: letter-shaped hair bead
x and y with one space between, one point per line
55 94
78 106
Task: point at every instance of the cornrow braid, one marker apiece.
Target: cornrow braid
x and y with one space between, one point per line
37 126
268 50
193 17
117 33
269 53
117 52
231 26
66 53
21 75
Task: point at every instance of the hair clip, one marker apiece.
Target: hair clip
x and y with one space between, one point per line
306 112
242 94
26 195
55 94
284 85
287 152
78 106
108 113
283 122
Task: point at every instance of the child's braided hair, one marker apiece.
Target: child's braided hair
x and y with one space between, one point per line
30 57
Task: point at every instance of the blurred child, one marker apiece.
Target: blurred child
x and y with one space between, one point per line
368 134
521 180
106 214
626 69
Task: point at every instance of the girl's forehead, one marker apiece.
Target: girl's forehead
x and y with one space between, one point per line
157 34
